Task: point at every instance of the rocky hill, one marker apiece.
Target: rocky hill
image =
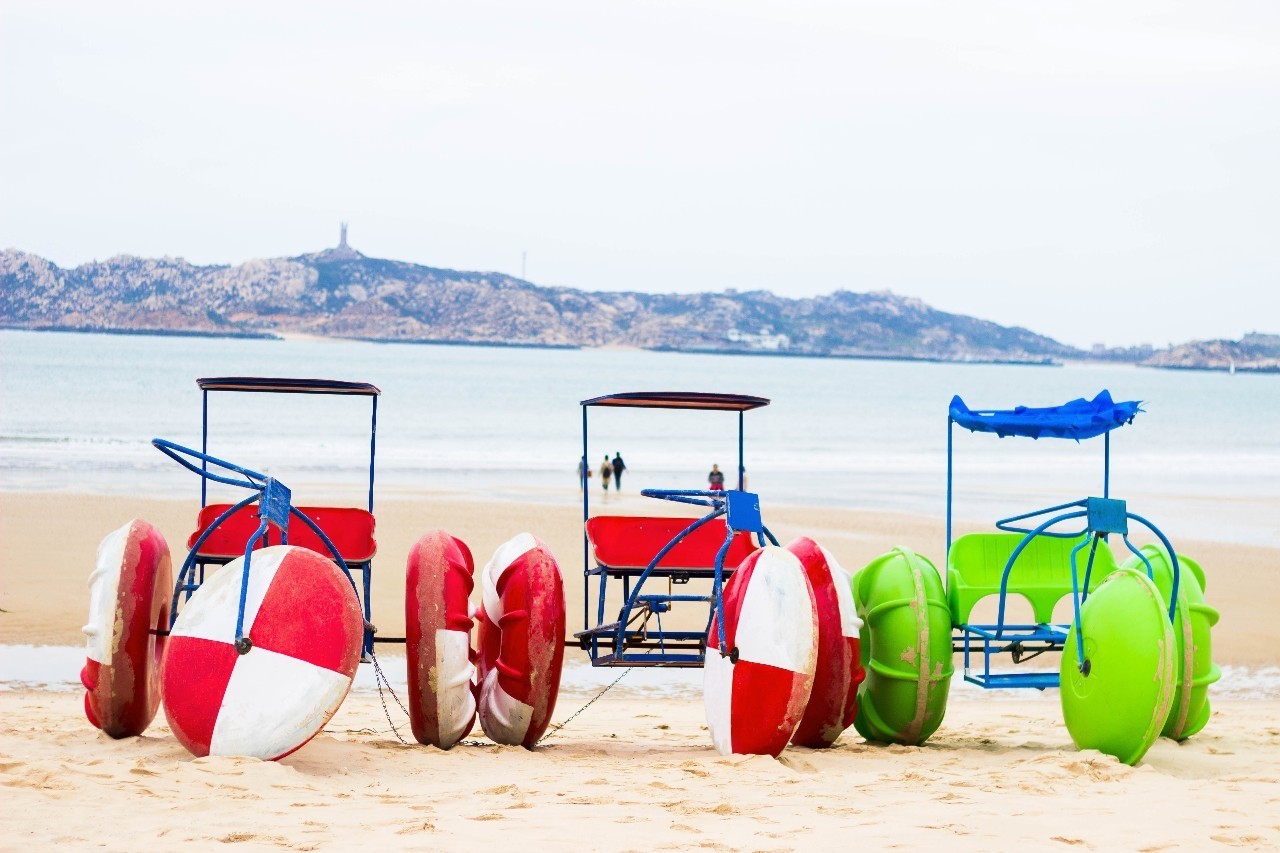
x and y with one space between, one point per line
340 292
1252 353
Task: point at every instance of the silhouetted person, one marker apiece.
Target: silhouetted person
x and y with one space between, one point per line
606 471
716 479
618 467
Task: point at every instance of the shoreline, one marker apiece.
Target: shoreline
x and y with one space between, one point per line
293 335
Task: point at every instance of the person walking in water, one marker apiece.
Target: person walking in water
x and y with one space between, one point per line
584 472
716 479
606 471
618 467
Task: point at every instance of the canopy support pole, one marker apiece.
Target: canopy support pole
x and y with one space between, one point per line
582 475
741 470
950 433
1106 464
373 449
204 448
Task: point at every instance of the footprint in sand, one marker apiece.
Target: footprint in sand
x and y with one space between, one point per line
500 789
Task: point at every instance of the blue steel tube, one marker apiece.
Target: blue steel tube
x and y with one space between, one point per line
950 431
204 448
741 470
373 448
1106 464
586 498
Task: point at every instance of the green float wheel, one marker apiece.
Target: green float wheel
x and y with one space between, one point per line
906 649
1191 629
1119 701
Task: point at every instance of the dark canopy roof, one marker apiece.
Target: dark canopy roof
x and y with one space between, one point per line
287 385
680 400
1077 419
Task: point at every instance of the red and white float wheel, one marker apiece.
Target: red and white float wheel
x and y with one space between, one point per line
522 622
306 628
756 693
442 671
833 702
129 592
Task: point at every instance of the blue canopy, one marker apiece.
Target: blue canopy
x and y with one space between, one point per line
1078 419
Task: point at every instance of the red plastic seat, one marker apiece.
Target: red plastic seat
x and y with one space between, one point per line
350 530
628 543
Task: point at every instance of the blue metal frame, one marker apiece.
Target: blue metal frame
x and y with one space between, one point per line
272 495
274 508
741 511
1103 517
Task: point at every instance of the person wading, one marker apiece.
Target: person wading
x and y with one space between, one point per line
716 479
606 471
618 467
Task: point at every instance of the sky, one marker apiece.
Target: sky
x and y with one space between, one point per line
1097 172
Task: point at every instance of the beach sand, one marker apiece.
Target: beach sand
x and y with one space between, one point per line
635 770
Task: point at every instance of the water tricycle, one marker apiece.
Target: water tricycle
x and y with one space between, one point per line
773 628
255 646
1135 659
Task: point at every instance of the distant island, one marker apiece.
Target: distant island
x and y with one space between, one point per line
342 293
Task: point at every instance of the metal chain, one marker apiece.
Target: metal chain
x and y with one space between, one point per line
380 678
556 730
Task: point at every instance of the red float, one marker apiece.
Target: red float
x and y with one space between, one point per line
833 702
756 693
522 623
442 671
129 596
304 621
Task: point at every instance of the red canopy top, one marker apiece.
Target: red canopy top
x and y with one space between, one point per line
680 400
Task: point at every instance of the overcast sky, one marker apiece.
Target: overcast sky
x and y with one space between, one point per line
1096 172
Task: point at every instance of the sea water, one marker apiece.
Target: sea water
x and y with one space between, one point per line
77 412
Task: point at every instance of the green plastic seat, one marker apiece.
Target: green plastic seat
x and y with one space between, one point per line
1042 573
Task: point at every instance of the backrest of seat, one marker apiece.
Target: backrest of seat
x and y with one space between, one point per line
1042 573
627 541
350 529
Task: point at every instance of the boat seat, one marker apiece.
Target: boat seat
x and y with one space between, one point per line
1042 573
350 529
624 545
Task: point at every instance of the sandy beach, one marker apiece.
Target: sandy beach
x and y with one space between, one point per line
635 770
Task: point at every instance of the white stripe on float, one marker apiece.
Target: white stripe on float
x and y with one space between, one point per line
211 613
775 624
850 624
507 553
273 704
454 675
717 698
104 587
504 718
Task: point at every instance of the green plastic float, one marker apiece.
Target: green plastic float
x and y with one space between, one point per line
906 649
1191 630
1120 700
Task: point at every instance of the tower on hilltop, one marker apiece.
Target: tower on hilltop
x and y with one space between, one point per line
342 238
